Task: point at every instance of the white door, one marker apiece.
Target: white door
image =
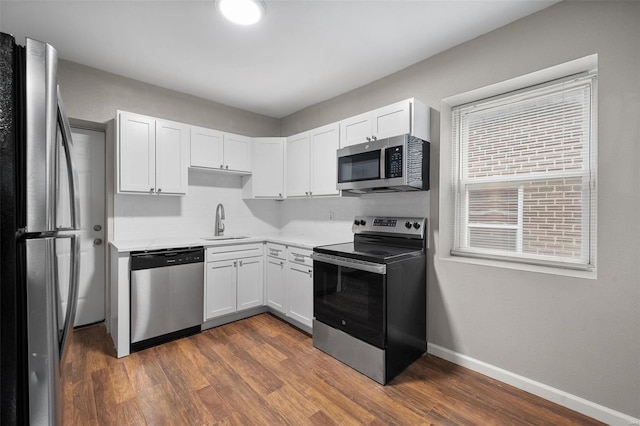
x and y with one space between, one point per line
300 293
89 148
275 280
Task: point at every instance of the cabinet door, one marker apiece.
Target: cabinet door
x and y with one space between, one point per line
297 166
206 148
392 120
300 293
220 289
355 129
136 153
250 282
268 167
237 152
275 284
172 157
324 173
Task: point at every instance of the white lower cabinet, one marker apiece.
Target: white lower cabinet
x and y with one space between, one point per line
233 279
275 276
299 286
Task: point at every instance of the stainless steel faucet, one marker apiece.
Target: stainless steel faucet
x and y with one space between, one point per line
219 218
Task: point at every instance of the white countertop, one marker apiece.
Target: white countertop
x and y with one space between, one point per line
165 243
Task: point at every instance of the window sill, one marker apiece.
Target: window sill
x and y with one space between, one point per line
573 273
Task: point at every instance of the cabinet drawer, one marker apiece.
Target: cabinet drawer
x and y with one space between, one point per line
236 251
277 250
300 256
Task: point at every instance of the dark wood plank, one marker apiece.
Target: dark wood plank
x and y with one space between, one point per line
262 371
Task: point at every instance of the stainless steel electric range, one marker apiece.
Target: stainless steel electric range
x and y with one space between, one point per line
369 296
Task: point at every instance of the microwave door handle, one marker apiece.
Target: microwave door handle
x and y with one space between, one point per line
72 297
67 142
383 161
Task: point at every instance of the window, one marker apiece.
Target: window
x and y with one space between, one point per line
524 173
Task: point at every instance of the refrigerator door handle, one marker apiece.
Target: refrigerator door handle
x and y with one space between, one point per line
67 142
72 297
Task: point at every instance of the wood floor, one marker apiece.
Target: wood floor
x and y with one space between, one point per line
263 371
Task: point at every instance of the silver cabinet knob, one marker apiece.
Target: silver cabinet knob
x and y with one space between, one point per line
241 263
235 263
97 241
306 193
373 138
97 228
226 167
159 189
279 194
222 166
151 191
368 139
310 192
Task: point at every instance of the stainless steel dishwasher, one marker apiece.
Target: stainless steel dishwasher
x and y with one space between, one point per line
167 295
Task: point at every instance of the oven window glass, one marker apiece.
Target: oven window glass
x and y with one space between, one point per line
359 167
350 300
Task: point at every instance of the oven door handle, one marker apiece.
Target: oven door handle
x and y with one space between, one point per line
376 268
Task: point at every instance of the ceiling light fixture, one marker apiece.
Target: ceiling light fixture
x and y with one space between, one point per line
242 12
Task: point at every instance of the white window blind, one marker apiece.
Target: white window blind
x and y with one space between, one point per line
524 175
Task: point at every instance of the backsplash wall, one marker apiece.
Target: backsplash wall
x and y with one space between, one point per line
142 217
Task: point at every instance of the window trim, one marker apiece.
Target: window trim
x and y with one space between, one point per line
549 76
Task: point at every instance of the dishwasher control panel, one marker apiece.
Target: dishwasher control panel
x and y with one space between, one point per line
168 257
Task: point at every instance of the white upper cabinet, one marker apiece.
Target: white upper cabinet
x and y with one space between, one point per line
206 147
311 162
237 152
152 155
408 116
213 149
297 166
267 178
323 146
172 157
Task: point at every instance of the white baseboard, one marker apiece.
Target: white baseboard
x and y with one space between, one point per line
573 402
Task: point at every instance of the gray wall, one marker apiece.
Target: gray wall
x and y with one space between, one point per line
578 335
94 95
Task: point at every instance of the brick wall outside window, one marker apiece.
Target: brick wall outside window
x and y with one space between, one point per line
524 174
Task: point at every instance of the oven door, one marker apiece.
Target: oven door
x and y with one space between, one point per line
351 296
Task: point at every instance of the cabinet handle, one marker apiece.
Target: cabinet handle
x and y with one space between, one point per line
235 264
281 263
310 192
222 166
159 190
373 138
241 263
151 191
306 193
226 167
280 194
310 273
368 139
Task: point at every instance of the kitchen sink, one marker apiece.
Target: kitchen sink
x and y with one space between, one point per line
225 237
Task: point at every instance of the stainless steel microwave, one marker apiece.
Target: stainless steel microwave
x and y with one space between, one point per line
400 163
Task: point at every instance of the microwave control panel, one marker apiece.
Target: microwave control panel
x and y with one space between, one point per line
393 166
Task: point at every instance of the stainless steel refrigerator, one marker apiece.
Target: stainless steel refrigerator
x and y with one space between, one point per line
39 246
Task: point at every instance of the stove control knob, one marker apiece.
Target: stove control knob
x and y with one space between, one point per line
363 222
416 225
356 222
408 225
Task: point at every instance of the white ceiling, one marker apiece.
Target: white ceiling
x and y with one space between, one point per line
303 52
